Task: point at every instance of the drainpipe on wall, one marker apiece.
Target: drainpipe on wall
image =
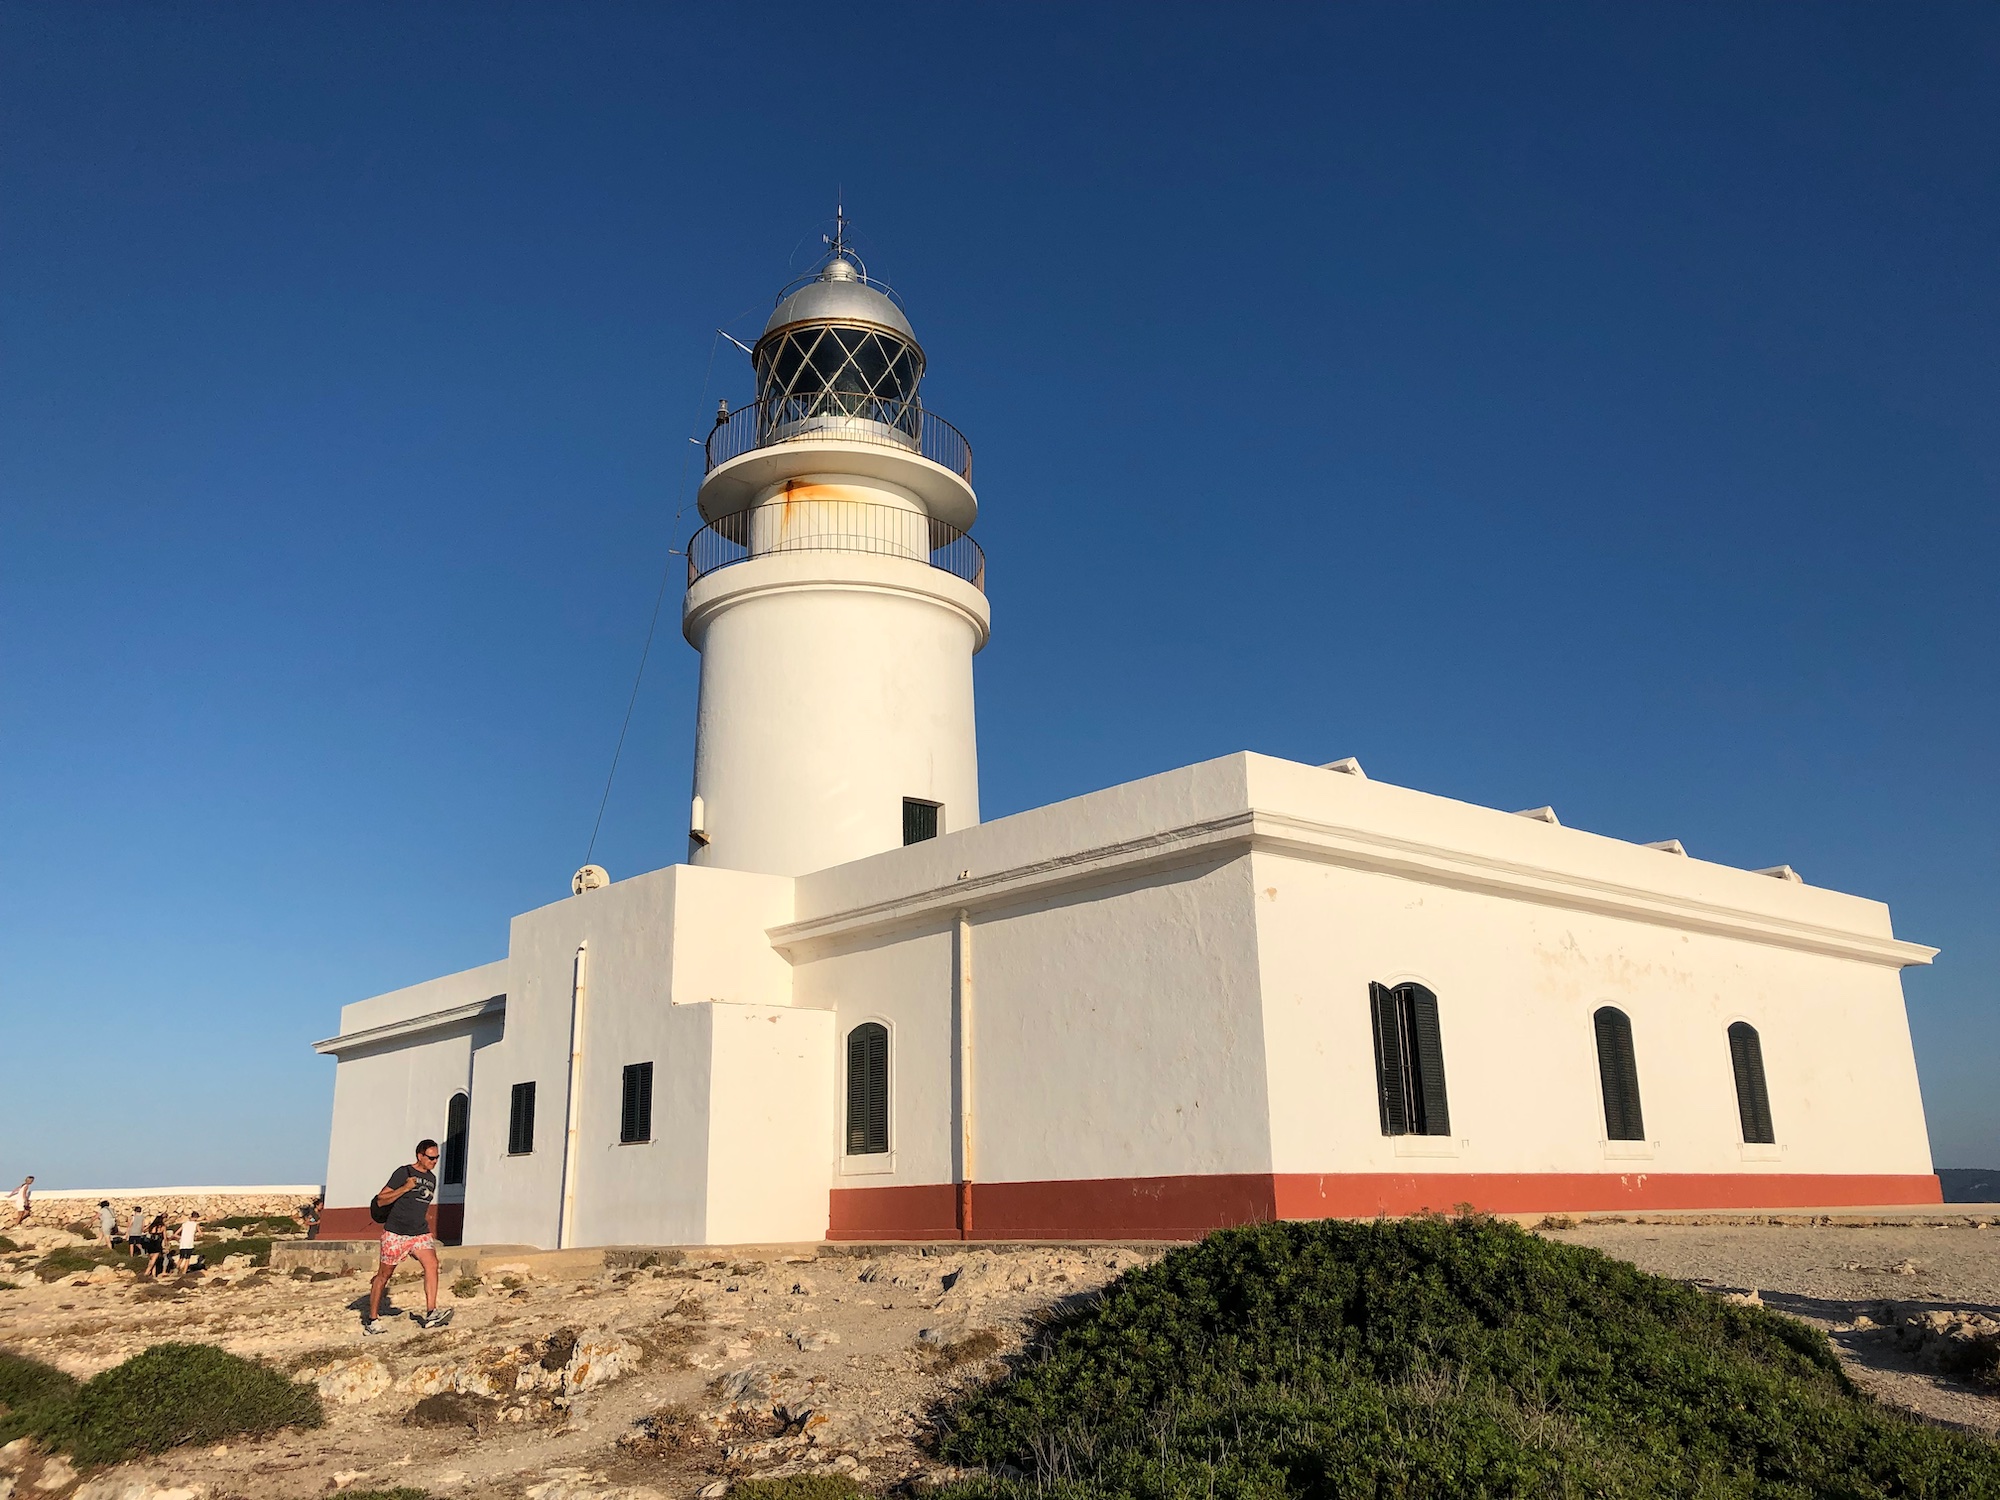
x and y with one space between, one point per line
579 994
962 1066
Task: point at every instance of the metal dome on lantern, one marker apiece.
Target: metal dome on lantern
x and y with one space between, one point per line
837 361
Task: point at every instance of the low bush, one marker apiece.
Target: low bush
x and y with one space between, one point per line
798 1487
258 1249
174 1394
30 1394
974 1348
454 1409
7 1246
1433 1357
260 1224
73 1258
467 1285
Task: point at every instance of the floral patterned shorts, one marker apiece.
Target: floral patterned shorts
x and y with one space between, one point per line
396 1246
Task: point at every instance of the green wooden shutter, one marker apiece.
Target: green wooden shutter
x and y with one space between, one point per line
521 1120
1427 1060
867 1089
456 1116
1386 1023
1618 1076
635 1115
1753 1100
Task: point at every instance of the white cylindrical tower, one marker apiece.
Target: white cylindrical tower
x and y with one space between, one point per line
834 596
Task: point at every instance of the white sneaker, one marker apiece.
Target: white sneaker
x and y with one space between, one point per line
371 1325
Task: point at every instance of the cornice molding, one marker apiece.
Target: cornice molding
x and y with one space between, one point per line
1351 848
436 1020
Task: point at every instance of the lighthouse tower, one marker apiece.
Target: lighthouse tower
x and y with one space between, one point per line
834 595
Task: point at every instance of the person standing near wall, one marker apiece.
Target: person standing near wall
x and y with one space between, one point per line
23 1199
402 1208
107 1221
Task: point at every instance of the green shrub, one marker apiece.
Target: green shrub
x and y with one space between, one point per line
174 1394
7 1246
259 1224
30 1394
797 1487
71 1259
258 1249
1434 1357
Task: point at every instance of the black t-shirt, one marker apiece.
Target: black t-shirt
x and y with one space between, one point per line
410 1214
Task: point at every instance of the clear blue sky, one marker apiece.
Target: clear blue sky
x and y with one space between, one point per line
1593 406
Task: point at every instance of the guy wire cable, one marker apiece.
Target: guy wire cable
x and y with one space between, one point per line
652 626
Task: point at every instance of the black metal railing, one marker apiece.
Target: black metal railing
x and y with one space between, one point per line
850 416
835 526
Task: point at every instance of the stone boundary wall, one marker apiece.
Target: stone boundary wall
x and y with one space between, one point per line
59 1209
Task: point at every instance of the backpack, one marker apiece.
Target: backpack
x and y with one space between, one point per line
377 1209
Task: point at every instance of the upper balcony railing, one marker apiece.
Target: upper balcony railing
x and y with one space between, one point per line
835 526
847 416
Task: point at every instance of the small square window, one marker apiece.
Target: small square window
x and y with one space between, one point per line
920 820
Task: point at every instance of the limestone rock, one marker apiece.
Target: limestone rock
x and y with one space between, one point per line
349 1382
599 1358
430 1379
116 1486
56 1472
15 1454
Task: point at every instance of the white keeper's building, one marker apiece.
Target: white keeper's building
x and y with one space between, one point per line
1241 990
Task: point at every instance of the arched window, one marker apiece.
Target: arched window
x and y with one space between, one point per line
1753 1100
867 1089
1409 1060
457 1115
1618 1072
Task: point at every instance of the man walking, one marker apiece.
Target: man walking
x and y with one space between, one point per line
23 1199
403 1210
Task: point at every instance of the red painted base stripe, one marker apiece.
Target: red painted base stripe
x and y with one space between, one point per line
447 1223
928 1212
1172 1208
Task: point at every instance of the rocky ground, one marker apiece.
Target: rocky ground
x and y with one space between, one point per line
664 1376
619 1383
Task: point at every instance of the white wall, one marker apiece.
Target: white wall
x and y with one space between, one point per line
1517 984
772 1104
1118 1033
662 948
833 685
389 1095
904 983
